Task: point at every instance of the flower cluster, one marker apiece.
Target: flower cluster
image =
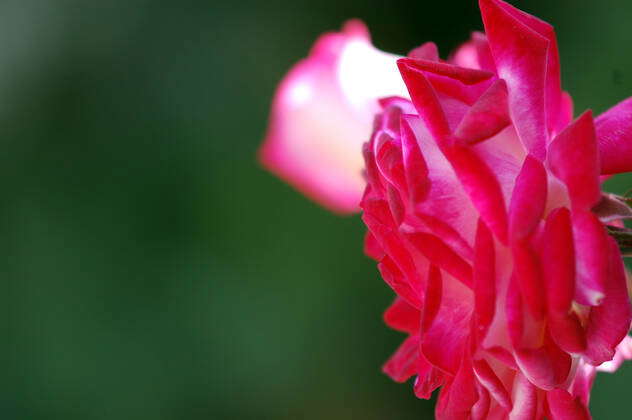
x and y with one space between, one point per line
480 203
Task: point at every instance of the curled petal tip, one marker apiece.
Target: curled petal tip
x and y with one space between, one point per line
614 136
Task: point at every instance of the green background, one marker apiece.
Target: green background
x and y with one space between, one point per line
151 269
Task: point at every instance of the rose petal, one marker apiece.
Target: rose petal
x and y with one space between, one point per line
564 407
528 199
553 83
609 322
398 282
567 332
484 279
401 316
425 99
574 159
456 86
480 410
447 312
481 185
372 248
525 399
528 274
464 75
485 58
546 367
438 253
520 54
592 258
428 379
487 117
402 364
583 382
614 135
558 260
458 398
415 166
488 378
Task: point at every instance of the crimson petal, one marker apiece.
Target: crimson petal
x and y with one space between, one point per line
614 134
520 54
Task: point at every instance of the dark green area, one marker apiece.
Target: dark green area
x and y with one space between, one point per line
151 269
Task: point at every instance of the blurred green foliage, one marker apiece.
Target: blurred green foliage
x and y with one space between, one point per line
151 269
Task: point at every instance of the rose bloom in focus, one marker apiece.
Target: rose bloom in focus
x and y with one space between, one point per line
483 203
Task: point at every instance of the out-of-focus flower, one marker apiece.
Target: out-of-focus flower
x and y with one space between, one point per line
322 114
485 213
